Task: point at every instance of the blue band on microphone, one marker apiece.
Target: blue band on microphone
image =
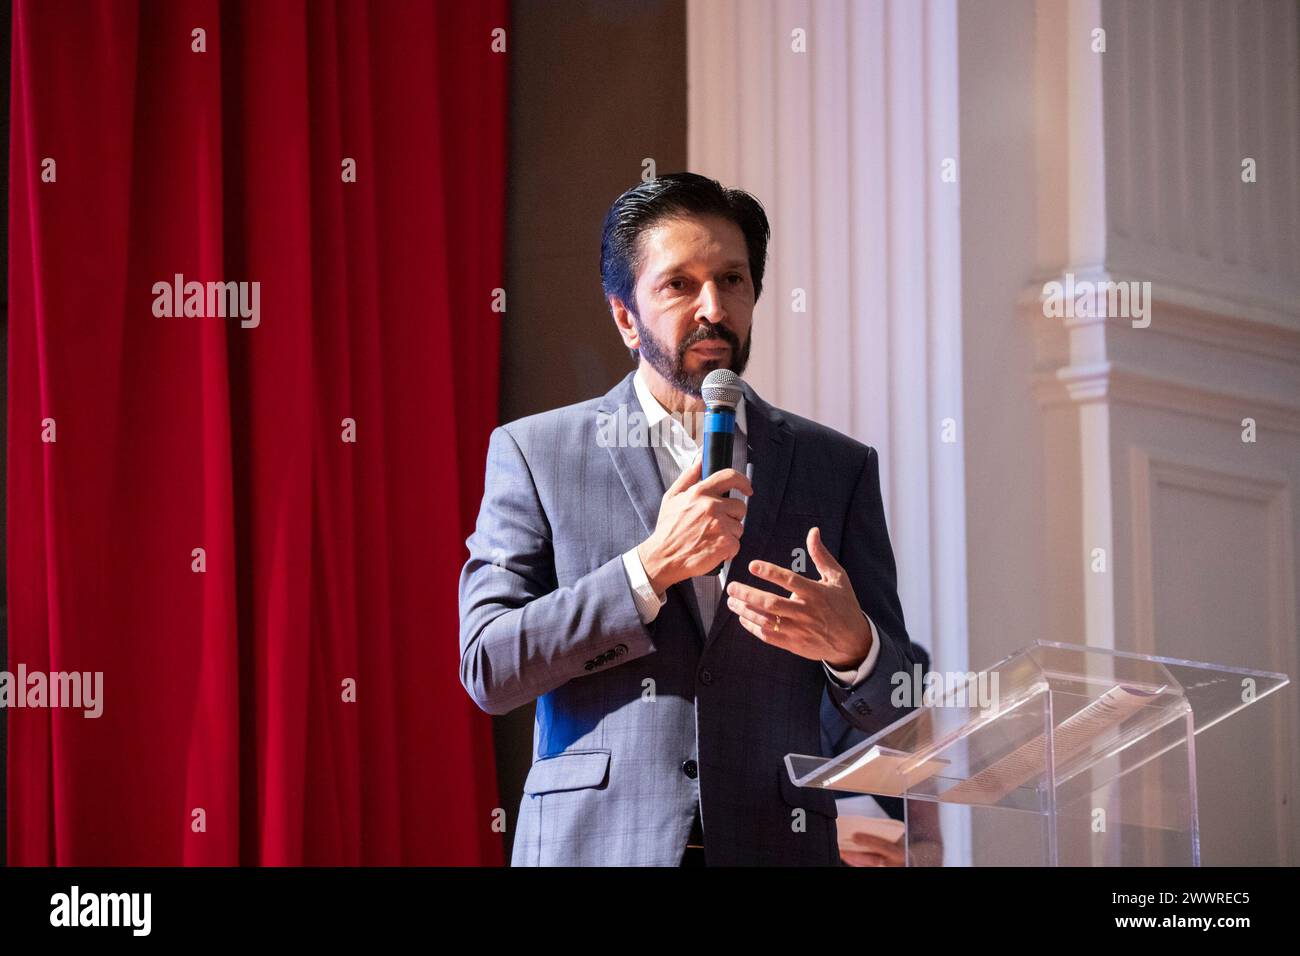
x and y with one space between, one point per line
720 420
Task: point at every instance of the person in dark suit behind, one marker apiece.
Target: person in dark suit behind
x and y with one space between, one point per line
667 694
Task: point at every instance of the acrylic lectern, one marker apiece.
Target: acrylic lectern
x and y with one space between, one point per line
1068 755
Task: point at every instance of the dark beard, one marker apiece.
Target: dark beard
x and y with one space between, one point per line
673 366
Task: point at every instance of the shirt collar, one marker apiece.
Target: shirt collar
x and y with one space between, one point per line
655 412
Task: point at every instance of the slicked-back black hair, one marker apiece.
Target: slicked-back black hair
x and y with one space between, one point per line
675 194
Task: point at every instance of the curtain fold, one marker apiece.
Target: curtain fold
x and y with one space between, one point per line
225 736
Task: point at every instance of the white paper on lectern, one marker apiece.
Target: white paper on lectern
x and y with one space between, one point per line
882 773
1072 737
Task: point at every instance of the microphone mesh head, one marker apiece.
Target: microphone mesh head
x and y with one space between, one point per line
721 387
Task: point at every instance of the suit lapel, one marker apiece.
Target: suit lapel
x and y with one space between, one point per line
635 462
638 469
771 445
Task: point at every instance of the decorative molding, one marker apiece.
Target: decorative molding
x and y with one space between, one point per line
1112 382
1137 178
1084 359
1149 470
1238 323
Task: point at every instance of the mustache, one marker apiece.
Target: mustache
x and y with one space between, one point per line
712 334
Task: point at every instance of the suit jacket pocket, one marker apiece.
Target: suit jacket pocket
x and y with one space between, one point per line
570 770
814 801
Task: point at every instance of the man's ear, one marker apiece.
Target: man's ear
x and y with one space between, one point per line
623 321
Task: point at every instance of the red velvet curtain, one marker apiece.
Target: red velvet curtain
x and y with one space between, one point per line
226 735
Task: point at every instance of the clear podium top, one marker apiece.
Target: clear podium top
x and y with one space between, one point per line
1037 719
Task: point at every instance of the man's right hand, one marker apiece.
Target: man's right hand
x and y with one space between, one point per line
698 528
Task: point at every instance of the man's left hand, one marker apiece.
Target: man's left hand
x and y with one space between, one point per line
820 620
869 850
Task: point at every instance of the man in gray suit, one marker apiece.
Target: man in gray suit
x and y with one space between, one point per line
666 704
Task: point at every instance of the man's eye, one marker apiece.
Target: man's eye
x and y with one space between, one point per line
735 278
677 285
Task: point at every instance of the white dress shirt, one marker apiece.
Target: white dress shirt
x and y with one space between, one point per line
674 452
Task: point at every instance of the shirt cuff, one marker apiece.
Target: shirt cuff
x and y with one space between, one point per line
852 678
647 601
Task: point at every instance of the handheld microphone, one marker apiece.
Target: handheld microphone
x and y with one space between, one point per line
721 393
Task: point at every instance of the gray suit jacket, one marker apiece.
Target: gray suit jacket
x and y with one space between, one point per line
636 723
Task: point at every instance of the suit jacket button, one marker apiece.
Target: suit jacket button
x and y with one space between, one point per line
706 676
691 769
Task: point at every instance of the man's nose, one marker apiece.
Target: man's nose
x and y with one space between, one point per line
710 307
